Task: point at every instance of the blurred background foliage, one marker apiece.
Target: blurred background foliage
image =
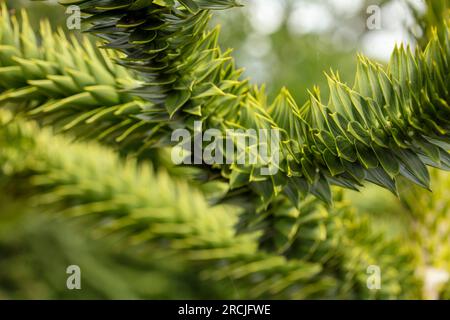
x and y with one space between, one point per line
281 43
35 251
293 42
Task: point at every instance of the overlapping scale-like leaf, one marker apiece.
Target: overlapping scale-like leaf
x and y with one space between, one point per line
342 142
392 122
74 180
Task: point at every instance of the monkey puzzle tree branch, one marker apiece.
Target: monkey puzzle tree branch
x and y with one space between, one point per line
391 123
148 209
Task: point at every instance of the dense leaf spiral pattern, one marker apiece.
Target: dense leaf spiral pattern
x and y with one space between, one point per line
391 123
152 209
